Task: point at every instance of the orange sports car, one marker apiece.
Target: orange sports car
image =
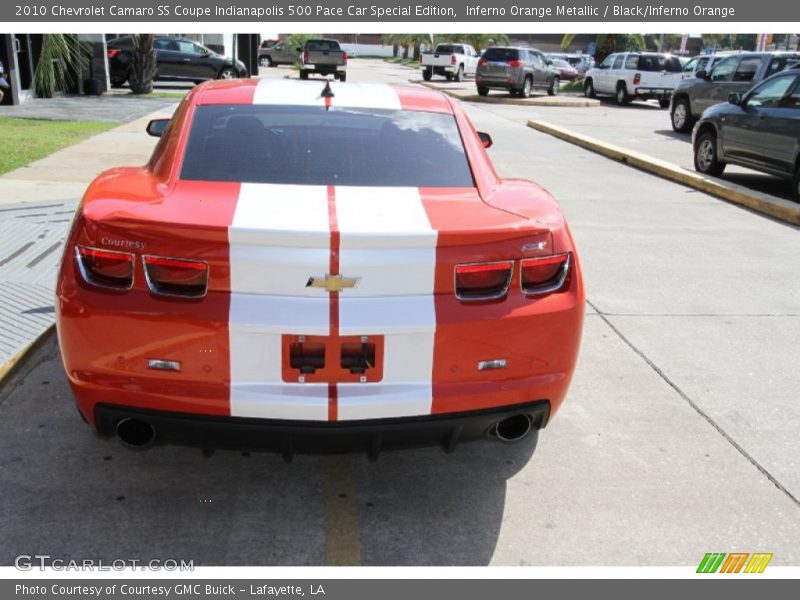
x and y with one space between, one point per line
314 266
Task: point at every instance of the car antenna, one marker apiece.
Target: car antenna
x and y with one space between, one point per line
327 93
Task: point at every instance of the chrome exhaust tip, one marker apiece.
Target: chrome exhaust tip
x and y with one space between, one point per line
135 434
512 429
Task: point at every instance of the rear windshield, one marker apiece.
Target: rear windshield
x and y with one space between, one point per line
448 49
650 62
501 54
322 45
309 145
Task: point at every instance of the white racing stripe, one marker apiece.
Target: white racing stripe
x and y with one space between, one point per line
280 235
308 93
386 239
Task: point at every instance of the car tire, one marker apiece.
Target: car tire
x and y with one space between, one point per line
343 77
459 74
527 86
681 116
705 155
622 95
117 82
448 76
227 73
663 102
553 89
483 90
588 89
303 74
427 74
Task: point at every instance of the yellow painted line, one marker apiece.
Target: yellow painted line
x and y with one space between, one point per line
8 368
773 206
342 543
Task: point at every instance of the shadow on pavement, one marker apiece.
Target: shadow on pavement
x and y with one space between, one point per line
66 493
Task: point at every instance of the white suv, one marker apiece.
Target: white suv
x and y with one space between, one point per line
635 76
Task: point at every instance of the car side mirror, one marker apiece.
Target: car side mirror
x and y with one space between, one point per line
485 139
701 74
549 62
157 127
735 98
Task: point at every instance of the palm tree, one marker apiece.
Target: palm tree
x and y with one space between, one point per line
60 63
608 43
143 63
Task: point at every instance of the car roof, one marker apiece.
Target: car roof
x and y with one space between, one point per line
308 93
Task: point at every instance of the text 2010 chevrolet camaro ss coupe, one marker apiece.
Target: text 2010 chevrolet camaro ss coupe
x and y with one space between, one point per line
301 267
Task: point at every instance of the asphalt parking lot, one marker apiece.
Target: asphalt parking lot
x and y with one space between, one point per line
679 435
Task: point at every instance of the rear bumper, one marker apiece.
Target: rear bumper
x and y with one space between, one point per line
506 83
645 92
290 437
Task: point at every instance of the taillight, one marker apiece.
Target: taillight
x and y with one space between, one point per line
637 79
344 57
481 61
544 275
483 281
514 64
305 56
105 268
176 276
112 52
452 59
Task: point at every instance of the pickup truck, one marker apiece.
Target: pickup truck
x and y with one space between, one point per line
634 76
736 73
453 61
324 57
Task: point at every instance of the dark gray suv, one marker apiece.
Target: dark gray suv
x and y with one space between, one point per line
759 130
518 70
734 73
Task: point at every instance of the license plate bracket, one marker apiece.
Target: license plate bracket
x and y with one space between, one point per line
332 359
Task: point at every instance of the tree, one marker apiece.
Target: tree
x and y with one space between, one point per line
60 64
479 41
143 63
608 43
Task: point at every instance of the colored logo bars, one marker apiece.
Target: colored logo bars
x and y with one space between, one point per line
714 562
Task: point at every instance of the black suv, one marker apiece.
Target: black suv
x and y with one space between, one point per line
177 58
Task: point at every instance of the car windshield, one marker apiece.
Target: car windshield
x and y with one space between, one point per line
314 146
501 54
448 49
654 62
322 45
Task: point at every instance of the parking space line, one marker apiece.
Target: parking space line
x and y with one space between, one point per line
695 406
342 543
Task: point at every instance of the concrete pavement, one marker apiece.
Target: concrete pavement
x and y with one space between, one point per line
678 436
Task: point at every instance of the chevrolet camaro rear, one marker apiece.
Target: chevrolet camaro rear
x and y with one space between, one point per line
304 267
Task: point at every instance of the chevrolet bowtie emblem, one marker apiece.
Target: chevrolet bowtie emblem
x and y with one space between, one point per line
333 283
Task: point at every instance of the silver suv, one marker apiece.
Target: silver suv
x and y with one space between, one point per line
518 70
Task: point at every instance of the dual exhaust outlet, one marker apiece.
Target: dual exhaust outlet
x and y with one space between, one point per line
138 434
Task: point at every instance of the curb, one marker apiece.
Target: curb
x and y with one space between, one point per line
773 206
554 101
13 365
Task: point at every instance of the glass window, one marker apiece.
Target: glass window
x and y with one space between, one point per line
609 60
632 62
771 92
314 146
779 63
189 47
501 54
690 66
655 62
333 45
162 44
747 69
618 62
724 69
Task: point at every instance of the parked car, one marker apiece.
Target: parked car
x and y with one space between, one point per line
177 59
451 61
702 62
634 76
734 73
518 70
580 62
323 57
759 129
566 72
288 277
277 54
